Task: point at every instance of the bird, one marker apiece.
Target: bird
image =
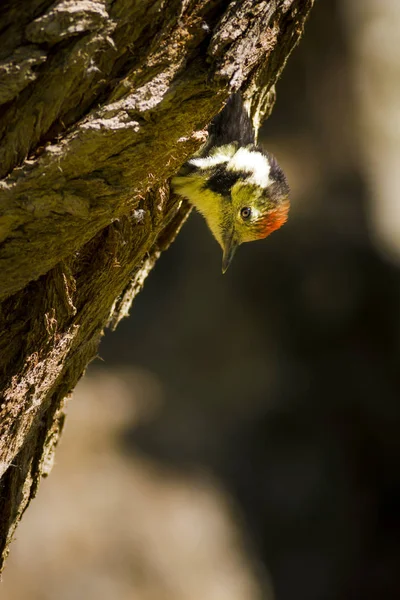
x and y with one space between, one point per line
239 188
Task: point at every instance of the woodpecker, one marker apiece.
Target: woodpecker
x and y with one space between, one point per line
238 187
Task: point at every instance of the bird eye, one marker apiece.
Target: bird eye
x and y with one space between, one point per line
245 213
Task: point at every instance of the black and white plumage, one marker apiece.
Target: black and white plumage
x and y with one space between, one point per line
239 188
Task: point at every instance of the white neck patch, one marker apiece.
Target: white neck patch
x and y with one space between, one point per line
254 163
218 156
209 161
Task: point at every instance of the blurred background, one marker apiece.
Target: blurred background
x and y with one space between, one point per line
239 437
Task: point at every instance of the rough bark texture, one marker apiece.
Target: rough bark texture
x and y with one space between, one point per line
100 103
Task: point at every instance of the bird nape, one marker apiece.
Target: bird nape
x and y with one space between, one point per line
239 188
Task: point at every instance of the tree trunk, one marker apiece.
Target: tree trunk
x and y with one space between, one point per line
100 103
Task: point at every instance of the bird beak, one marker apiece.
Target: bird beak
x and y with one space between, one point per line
229 251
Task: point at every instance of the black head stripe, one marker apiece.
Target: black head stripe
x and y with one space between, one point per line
277 191
222 181
276 173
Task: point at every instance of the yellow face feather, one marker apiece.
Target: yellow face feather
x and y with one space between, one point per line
207 202
267 214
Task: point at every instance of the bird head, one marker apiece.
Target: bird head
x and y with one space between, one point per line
241 191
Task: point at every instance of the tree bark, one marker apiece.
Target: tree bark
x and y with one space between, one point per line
101 101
